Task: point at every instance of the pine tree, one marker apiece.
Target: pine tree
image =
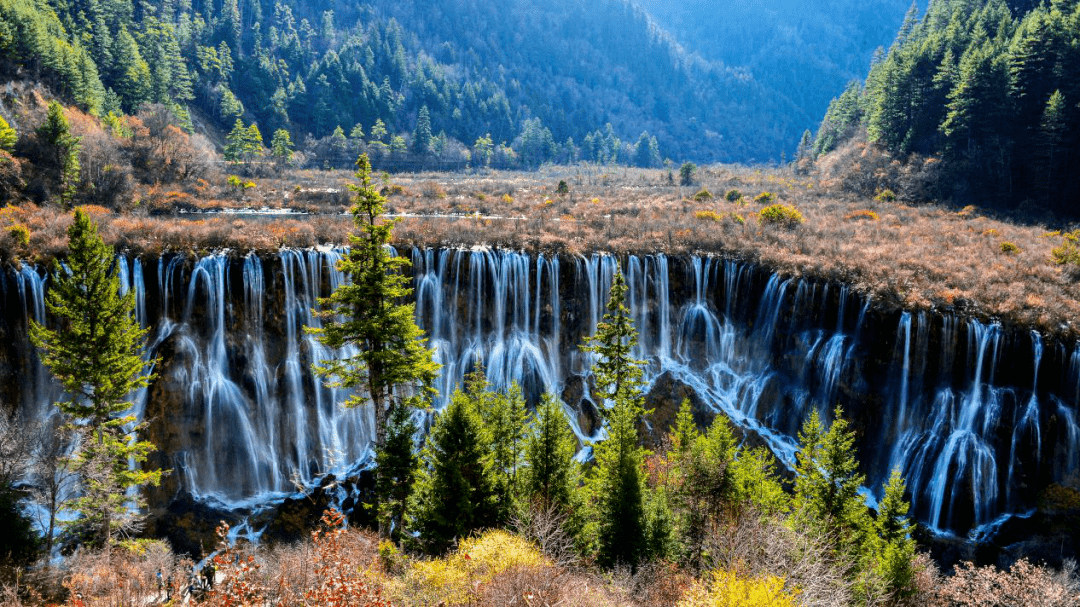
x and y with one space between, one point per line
896 549
828 480
56 133
95 354
617 372
281 147
505 422
618 482
392 357
8 136
454 494
421 142
549 450
234 142
396 463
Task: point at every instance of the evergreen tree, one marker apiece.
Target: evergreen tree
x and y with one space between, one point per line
896 548
281 147
483 149
56 133
392 357
454 494
505 423
8 136
421 142
1051 133
618 374
549 450
397 462
618 483
95 354
827 482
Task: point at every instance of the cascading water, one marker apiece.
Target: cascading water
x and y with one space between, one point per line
241 417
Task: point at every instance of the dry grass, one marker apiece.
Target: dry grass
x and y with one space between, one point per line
915 256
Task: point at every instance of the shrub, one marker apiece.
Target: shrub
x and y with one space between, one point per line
709 215
733 195
780 214
20 234
1009 248
563 189
455 579
886 195
508 199
730 590
862 214
703 195
1068 252
765 198
686 173
968 211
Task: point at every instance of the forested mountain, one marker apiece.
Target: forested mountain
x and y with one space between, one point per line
557 80
991 89
804 50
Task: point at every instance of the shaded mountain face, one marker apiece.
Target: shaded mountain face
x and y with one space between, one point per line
806 51
479 67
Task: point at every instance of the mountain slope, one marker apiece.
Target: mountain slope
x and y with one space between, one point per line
805 50
478 66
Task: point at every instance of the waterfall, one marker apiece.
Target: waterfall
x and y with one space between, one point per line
245 419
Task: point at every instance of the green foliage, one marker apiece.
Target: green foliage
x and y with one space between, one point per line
782 215
647 151
8 136
1009 248
896 548
686 173
455 492
56 133
397 463
20 234
765 198
281 146
18 543
703 195
840 120
827 483
753 480
563 189
504 420
617 484
1068 252
95 354
243 144
886 195
733 195
421 140
550 473
987 89
391 352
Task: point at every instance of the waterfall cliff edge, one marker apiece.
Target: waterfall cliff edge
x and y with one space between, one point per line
980 418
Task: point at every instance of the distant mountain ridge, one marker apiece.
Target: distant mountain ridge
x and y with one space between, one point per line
480 67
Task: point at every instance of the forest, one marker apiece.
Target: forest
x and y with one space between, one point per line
989 91
934 197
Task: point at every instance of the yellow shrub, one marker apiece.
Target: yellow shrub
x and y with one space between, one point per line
508 199
709 215
730 590
780 214
1009 248
453 579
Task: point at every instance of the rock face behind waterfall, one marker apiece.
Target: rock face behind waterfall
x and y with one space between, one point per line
980 418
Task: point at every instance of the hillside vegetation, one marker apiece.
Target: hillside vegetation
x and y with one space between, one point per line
541 76
986 90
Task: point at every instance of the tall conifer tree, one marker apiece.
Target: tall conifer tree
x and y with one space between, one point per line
95 352
392 358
